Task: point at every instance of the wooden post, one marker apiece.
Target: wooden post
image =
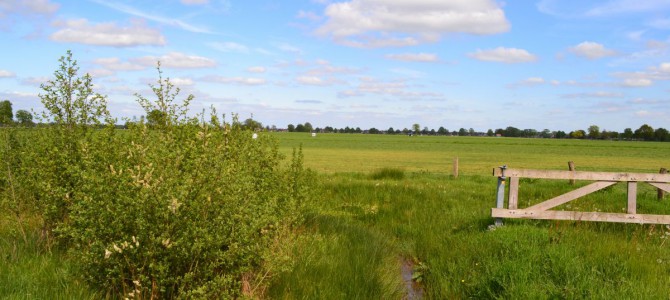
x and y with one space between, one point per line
456 167
660 191
571 168
632 197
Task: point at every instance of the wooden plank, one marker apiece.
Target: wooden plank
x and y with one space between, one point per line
632 197
513 193
662 186
585 190
580 216
583 175
660 192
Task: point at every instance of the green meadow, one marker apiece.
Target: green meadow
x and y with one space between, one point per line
388 220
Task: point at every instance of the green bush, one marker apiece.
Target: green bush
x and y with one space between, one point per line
182 208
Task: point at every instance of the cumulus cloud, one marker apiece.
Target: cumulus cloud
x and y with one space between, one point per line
380 23
637 82
504 55
182 81
317 80
115 64
194 2
229 47
591 50
106 34
308 15
396 88
6 74
256 69
417 57
599 94
22 7
176 60
234 80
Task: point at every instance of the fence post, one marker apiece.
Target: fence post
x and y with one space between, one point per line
456 167
571 168
660 191
500 199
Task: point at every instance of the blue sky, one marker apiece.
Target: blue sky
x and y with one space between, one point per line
560 65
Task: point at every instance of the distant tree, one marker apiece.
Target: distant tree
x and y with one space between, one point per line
661 135
358 130
373 131
545 134
471 132
529 133
252 124
511 131
290 127
627 134
645 132
462 132
442 131
560 134
24 117
308 127
490 132
6 114
578 134
416 128
432 132
390 130
594 132
300 128
500 131
156 118
405 131
397 131
424 131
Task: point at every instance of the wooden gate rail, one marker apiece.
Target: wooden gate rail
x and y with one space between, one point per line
602 180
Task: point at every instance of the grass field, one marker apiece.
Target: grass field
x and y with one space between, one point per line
367 224
333 153
388 203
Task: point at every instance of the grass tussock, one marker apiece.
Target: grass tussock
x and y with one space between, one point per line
388 173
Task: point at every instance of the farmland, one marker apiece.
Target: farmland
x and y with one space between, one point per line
385 206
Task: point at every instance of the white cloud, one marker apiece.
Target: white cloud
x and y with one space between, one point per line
311 80
229 47
98 73
160 19
398 88
32 7
181 81
289 48
589 9
34 81
6 74
418 57
235 80
176 60
309 16
591 50
504 55
380 23
115 64
194 2
599 94
256 69
637 82
106 34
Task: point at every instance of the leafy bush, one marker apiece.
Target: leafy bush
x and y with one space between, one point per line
184 208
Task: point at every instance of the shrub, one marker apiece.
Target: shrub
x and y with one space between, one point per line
181 208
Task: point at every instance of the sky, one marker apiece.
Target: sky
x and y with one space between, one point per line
482 64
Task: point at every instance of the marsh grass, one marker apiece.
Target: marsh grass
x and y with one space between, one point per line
28 271
362 224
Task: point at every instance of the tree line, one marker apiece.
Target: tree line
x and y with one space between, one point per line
643 133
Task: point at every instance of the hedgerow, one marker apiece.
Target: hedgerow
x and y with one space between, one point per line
185 208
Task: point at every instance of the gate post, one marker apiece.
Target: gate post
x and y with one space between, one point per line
500 199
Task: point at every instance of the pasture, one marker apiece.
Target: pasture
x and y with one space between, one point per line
386 210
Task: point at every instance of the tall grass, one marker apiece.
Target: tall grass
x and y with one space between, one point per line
444 223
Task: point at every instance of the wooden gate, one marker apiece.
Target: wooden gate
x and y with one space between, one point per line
602 180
